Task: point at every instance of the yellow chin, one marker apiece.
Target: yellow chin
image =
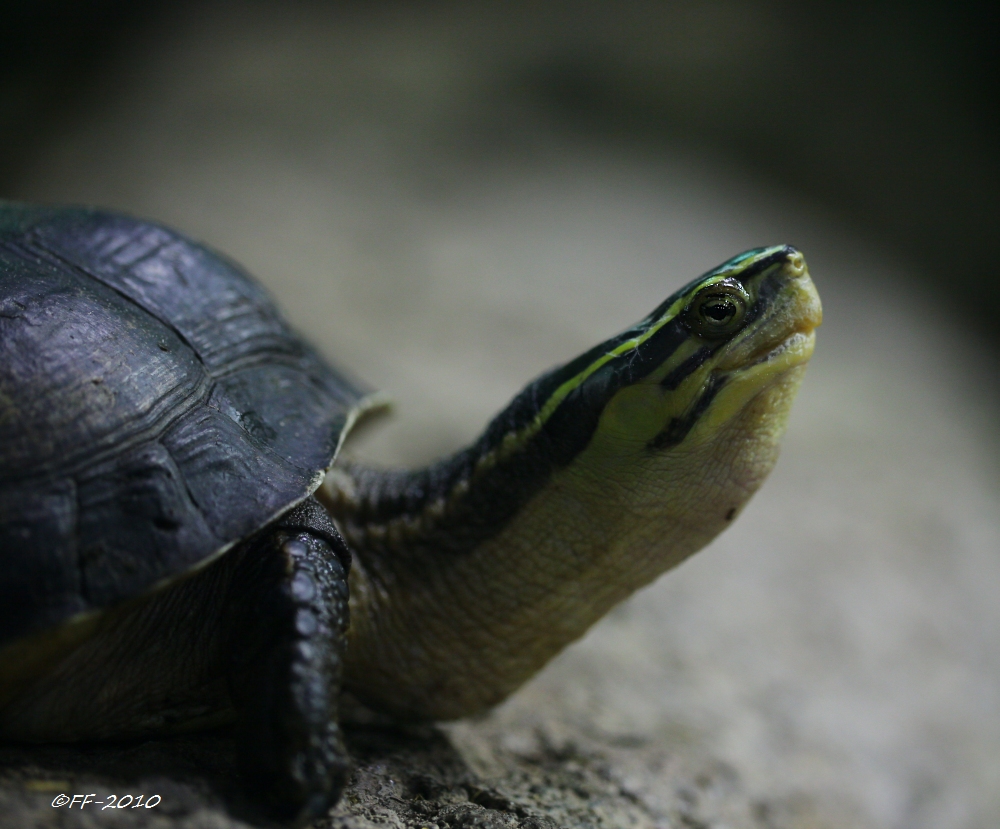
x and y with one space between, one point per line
779 372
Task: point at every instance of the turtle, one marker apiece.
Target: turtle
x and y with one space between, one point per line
180 547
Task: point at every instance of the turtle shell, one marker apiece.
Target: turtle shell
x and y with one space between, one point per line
155 409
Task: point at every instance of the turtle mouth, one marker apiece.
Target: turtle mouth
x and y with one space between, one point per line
787 336
766 365
793 349
769 366
785 350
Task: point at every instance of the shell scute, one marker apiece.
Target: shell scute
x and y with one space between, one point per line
155 409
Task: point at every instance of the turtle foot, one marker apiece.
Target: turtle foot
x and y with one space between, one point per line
288 638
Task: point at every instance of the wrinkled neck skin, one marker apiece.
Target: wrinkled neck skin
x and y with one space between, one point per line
440 631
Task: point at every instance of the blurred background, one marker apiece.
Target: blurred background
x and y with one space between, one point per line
449 198
885 112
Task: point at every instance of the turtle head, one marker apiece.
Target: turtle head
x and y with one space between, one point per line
698 360
697 395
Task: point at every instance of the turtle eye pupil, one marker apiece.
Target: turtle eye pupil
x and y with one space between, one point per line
721 310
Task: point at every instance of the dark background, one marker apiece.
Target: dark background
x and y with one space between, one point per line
884 113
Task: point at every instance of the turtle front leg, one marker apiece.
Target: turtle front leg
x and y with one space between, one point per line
287 629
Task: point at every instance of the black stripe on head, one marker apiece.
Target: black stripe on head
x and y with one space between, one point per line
678 427
767 290
769 287
674 378
778 254
570 427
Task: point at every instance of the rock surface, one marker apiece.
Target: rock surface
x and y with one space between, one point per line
829 662
415 778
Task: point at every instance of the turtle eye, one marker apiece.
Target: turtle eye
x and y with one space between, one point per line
716 311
